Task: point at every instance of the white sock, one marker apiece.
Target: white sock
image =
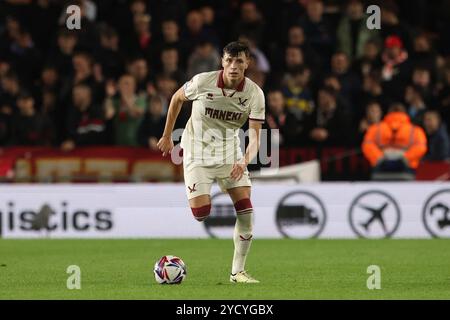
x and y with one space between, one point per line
242 240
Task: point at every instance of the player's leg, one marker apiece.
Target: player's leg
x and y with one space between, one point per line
198 188
243 233
200 206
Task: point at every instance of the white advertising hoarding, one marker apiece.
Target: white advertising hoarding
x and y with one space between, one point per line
323 210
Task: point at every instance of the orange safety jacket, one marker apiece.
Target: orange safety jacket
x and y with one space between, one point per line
395 132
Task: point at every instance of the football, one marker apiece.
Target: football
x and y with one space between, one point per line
169 270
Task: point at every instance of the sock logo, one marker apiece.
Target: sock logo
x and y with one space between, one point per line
246 239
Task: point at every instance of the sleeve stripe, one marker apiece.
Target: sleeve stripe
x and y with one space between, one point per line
253 119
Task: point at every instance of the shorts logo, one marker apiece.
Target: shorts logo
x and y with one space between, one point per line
193 188
242 102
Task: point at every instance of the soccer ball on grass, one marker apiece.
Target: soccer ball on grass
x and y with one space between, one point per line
169 270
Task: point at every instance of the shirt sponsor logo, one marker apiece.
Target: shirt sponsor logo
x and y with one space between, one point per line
223 114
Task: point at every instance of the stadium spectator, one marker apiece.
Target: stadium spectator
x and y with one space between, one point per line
83 72
142 36
152 126
438 142
422 78
51 107
281 118
10 32
415 102
254 73
121 16
5 66
210 23
395 71
262 63
299 99
125 110
50 79
108 55
204 58
423 54
373 115
251 23
138 7
293 59
443 97
296 38
85 121
61 55
139 69
25 57
317 29
166 86
196 32
331 80
370 60
10 89
350 83
171 38
371 91
30 128
352 31
329 124
393 25
170 64
395 145
209 17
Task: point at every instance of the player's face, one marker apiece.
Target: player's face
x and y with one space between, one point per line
234 67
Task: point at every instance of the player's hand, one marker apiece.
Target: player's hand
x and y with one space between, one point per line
165 145
238 171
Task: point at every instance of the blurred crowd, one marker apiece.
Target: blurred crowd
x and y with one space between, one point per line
327 77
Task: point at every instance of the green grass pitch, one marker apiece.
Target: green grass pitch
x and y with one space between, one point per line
287 269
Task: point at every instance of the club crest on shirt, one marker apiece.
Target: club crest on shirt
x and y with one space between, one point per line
242 102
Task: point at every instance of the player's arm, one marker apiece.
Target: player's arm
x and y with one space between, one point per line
252 149
165 144
254 128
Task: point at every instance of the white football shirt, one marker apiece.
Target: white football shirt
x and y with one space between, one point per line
211 135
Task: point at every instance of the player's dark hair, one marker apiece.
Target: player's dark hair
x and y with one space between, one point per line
236 47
